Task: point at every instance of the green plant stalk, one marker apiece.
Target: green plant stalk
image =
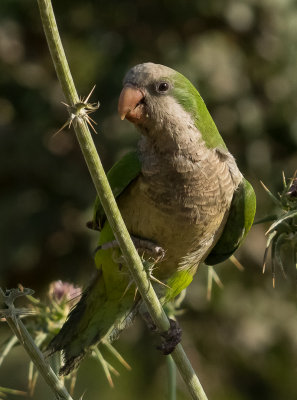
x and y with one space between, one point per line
20 331
171 372
108 202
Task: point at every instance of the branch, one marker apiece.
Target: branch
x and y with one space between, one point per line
171 371
11 314
108 202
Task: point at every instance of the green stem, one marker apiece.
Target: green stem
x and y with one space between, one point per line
171 370
36 356
108 202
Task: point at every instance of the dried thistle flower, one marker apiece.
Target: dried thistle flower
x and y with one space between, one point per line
81 112
283 231
46 320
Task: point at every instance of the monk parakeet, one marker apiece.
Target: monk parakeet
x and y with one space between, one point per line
181 195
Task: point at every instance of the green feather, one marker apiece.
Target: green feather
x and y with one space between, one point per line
239 222
119 176
189 98
105 306
177 283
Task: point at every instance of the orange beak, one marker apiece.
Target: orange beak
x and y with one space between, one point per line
129 106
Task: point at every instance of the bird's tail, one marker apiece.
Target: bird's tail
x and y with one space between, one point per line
105 307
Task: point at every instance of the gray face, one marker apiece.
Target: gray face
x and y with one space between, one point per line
155 82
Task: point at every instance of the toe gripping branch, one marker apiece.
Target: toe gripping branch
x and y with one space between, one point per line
170 338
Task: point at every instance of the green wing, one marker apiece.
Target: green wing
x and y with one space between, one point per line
119 176
239 222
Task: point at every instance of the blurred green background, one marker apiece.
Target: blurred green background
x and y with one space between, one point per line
242 56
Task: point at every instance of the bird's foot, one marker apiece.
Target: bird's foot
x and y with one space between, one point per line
148 321
143 246
170 338
148 248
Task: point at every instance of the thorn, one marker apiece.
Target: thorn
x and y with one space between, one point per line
270 194
135 293
4 391
112 369
217 279
209 284
68 122
9 345
160 282
72 383
212 276
104 365
117 355
30 377
237 264
284 179
89 119
81 397
264 186
89 95
32 385
127 288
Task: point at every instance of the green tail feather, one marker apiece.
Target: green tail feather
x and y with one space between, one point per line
106 306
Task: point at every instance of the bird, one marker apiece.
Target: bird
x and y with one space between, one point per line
182 197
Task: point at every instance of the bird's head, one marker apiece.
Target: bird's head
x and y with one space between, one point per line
147 98
159 99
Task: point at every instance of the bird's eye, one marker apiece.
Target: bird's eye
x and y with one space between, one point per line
163 87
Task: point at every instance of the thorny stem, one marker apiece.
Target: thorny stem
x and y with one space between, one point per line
36 356
108 202
11 315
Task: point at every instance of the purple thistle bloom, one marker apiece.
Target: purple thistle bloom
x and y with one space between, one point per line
64 291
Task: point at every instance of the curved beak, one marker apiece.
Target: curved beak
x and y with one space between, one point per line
129 101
